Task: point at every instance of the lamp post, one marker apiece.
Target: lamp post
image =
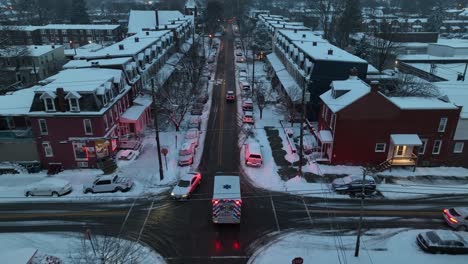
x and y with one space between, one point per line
156 126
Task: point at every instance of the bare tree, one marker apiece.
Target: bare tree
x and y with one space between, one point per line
411 85
383 46
261 91
290 100
12 58
106 249
327 11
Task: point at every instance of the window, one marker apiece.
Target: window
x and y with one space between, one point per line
111 117
88 127
380 147
436 148
74 104
109 32
325 113
332 122
106 123
49 104
442 124
458 147
64 31
423 146
47 149
65 39
43 127
80 150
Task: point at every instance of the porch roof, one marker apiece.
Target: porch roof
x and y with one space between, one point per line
326 136
406 139
133 113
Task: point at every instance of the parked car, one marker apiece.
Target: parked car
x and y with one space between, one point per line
186 153
457 218
108 183
238 53
253 155
197 109
230 96
192 135
203 98
211 59
48 187
240 59
248 117
353 183
247 105
443 241
187 185
194 122
309 144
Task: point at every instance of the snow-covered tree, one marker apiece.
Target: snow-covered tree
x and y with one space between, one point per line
409 85
436 17
79 14
261 40
349 21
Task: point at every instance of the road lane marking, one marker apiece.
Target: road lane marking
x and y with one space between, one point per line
146 219
307 210
274 213
382 212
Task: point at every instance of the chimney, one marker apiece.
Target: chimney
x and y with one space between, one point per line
303 35
147 33
295 30
314 43
53 46
137 39
157 17
61 99
374 86
353 72
330 52
121 47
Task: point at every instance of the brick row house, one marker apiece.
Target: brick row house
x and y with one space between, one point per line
358 125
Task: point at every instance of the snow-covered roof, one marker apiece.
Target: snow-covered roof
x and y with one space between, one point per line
302 35
134 112
406 139
75 64
350 91
421 103
17 103
140 19
457 92
429 58
80 80
226 187
371 69
19 28
32 50
287 81
130 46
79 26
447 71
320 52
143 100
190 4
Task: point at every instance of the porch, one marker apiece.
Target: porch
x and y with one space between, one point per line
402 152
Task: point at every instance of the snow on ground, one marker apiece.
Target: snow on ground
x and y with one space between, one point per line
401 182
18 248
377 246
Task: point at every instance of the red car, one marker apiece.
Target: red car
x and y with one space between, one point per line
230 96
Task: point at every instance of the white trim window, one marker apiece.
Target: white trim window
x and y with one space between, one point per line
49 104
43 127
380 147
111 117
80 150
325 113
423 146
88 128
333 122
106 122
47 149
458 148
442 124
74 104
437 146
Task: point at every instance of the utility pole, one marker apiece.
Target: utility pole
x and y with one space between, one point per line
358 239
156 126
464 72
253 69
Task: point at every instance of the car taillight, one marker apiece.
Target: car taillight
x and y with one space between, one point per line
215 202
453 220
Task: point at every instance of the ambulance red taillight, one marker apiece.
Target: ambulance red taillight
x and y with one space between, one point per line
215 202
238 202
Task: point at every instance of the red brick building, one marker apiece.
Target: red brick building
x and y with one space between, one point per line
359 125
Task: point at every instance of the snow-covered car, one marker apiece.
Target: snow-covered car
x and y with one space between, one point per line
211 59
248 118
186 154
309 144
48 187
230 96
240 59
353 183
187 185
108 183
238 53
247 105
192 135
203 98
457 218
443 241
197 109
194 122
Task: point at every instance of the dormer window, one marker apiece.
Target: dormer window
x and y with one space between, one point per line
48 99
73 101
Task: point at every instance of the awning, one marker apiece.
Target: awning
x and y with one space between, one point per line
287 81
406 140
143 100
132 114
326 136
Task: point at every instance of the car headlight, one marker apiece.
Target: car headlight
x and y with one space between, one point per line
172 194
184 196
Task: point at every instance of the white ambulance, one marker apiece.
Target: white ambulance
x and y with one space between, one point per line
227 201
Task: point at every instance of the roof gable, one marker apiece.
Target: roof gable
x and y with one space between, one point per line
344 93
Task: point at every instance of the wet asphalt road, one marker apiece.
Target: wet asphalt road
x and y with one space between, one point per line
183 232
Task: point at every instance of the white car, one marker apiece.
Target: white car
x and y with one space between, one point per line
186 154
187 185
192 135
108 183
48 187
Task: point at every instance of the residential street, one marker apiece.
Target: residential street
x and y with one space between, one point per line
183 231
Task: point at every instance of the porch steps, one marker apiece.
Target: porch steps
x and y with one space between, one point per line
382 166
108 166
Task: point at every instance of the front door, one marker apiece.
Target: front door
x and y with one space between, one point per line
400 151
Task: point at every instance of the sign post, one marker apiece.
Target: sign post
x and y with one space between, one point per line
164 151
88 236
